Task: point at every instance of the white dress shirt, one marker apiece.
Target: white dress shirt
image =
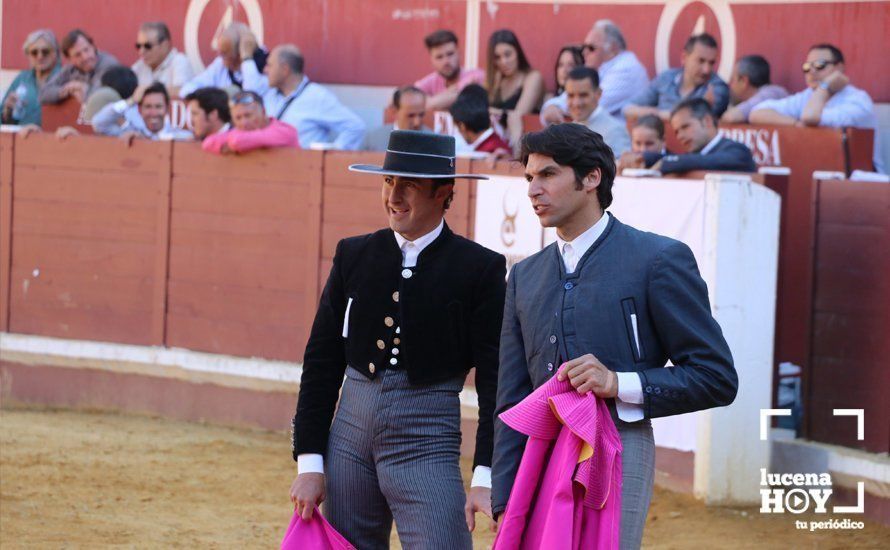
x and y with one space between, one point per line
314 463
216 75
629 404
107 122
173 72
316 113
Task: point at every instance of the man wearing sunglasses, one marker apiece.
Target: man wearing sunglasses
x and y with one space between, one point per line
20 104
82 74
158 60
621 73
829 100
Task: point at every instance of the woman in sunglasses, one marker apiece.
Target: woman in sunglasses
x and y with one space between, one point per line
20 104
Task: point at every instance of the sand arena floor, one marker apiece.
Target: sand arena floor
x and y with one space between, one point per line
83 480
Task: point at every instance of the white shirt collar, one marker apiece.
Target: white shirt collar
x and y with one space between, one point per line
481 139
582 243
412 249
711 144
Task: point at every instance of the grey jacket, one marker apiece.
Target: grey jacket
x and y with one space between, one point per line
52 90
639 301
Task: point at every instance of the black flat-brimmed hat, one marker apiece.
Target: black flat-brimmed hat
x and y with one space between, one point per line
418 155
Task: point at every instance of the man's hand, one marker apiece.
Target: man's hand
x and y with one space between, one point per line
306 492
128 137
552 115
478 500
9 105
837 82
29 129
709 95
65 132
629 159
587 374
75 89
247 44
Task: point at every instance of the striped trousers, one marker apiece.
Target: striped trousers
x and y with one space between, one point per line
394 454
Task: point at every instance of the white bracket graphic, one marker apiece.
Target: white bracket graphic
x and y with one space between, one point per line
860 420
765 415
860 502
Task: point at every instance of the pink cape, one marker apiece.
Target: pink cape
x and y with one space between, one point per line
563 498
315 534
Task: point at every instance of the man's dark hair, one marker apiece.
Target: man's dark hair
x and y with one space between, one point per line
155 88
836 54
698 107
71 38
579 147
397 95
212 99
439 38
653 122
756 68
161 28
120 79
585 73
704 39
437 183
471 108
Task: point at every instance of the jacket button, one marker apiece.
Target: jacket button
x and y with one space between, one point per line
406 273
395 351
396 341
552 339
388 321
550 367
395 296
381 344
648 389
657 391
393 361
371 367
569 285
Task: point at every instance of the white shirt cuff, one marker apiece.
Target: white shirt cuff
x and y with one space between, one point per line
120 106
481 477
629 404
310 464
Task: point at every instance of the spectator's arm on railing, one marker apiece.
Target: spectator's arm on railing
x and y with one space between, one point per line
108 120
51 92
276 134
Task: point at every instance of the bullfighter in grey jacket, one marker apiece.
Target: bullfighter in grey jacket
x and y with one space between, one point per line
612 305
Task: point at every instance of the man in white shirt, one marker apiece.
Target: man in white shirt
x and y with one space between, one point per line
583 93
237 46
158 60
829 100
312 109
621 73
146 119
409 103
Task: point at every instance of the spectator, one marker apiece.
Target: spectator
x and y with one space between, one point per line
472 118
696 127
447 80
749 86
514 88
146 119
568 58
237 48
583 92
83 73
253 129
696 78
410 105
20 104
209 112
646 136
829 100
158 60
118 83
621 73
315 112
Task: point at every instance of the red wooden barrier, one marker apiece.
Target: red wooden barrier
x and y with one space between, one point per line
851 314
88 247
7 142
243 241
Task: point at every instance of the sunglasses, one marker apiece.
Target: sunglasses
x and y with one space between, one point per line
243 99
588 48
815 65
40 52
147 46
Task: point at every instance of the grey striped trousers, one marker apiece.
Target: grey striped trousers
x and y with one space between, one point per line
394 453
638 476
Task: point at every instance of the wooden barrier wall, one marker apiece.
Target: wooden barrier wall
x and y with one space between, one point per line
851 314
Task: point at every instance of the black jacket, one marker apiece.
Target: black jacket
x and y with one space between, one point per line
450 312
726 155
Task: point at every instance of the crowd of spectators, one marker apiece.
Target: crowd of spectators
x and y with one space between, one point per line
251 97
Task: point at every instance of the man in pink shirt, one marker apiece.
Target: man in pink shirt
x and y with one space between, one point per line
253 129
442 85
